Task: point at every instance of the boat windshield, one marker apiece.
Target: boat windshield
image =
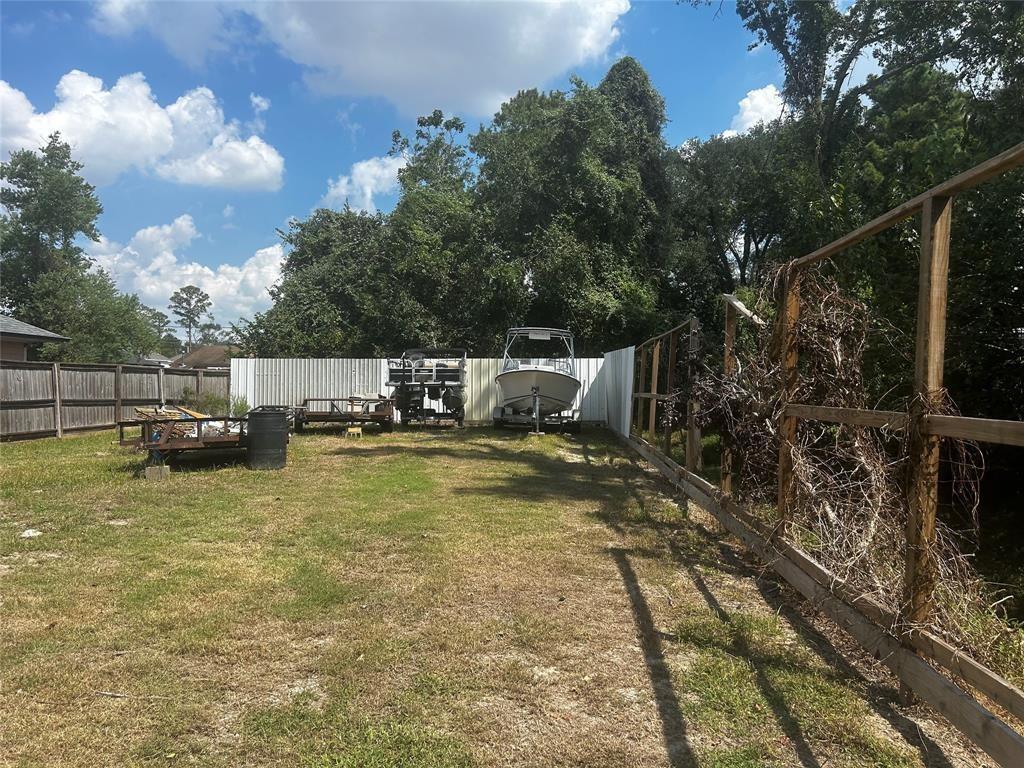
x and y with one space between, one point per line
553 347
559 364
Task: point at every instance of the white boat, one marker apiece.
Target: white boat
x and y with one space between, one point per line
537 386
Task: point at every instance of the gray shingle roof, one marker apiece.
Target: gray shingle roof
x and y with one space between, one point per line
11 327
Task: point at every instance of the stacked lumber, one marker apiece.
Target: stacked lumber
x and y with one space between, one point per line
187 428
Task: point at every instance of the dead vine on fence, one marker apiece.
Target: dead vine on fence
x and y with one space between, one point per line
849 509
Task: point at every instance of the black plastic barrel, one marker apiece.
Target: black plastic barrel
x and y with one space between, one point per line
267 438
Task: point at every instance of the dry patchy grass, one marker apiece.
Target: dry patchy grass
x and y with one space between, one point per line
439 599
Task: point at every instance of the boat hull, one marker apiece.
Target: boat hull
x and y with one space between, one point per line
556 391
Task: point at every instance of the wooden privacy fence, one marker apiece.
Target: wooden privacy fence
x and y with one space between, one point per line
901 642
49 399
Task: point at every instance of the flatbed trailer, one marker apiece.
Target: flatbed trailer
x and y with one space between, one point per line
157 436
351 411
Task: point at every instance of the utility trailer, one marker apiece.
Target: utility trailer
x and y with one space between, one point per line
350 411
437 375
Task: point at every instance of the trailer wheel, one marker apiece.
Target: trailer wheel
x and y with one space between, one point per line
300 425
388 426
498 423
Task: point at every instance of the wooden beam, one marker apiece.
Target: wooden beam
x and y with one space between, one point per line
641 386
789 315
855 416
1005 161
681 327
921 570
652 417
982 430
693 447
732 312
740 307
117 394
58 424
673 344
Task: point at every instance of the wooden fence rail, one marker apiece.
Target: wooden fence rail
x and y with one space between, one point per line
49 399
901 641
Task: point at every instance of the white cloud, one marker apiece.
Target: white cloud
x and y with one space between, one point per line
191 33
761 105
123 127
464 57
259 103
229 211
150 266
375 176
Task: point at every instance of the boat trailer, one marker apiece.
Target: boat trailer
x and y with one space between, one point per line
430 374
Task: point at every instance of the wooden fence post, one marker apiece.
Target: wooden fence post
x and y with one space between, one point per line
199 382
921 568
729 366
160 385
673 343
789 316
693 453
57 422
638 403
117 394
652 417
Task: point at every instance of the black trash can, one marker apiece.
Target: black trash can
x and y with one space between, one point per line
266 444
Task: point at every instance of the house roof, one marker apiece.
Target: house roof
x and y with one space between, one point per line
207 356
155 356
24 332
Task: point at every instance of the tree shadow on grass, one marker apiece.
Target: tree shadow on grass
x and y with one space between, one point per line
700 547
203 460
673 725
530 475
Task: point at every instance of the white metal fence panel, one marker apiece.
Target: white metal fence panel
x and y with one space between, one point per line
288 381
618 382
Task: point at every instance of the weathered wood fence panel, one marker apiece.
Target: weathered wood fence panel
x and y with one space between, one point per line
47 399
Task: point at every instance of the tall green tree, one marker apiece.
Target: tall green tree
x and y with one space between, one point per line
820 43
103 324
168 344
336 296
578 190
47 207
189 303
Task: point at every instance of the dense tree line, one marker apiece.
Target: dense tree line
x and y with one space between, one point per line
569 209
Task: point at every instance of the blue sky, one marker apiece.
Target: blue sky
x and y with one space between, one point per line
205 126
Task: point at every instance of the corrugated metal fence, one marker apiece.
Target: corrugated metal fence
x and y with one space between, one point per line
40 399
269 381
618 382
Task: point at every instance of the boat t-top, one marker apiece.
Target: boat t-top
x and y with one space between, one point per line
537 389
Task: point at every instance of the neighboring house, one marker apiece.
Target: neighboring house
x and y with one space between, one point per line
153 358
207 356
16 337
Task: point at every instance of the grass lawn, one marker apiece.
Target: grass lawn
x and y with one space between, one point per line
439 599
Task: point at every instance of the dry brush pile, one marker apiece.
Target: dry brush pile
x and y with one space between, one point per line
850 499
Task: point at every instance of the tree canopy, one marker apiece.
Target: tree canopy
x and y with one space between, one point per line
46 277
